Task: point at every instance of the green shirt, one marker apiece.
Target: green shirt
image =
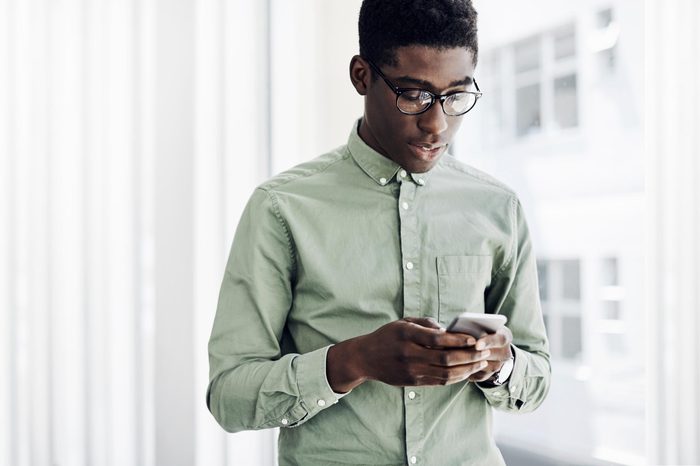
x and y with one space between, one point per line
341 245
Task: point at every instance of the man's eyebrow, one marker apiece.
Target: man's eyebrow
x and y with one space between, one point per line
468 80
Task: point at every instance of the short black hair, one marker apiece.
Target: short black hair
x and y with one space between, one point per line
385 25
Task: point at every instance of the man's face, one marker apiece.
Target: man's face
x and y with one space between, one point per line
416 142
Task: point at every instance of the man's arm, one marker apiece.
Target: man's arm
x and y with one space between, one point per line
252 385
514 292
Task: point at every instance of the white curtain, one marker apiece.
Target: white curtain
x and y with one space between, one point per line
131 134
673 236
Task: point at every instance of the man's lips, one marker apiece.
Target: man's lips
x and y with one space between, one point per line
426 151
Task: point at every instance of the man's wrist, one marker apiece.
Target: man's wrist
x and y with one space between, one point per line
344 368
494 381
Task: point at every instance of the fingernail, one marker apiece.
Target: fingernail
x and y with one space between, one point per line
485 353
480 345
483 364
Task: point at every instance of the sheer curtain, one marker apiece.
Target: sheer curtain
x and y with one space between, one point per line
673 269
131 134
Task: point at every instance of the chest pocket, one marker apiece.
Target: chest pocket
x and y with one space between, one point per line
462 281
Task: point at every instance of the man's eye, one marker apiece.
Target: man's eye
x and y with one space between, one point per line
414 96
417 96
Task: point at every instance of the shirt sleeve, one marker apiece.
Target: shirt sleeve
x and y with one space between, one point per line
252 384
514 292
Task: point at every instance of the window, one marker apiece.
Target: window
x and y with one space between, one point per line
528 108
605 40
564 42
560 293
532 86
552 150
611 324
565 102
527 56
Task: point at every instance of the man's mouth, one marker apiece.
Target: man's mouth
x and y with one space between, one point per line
426 151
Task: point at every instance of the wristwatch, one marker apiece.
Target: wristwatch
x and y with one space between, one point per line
502 376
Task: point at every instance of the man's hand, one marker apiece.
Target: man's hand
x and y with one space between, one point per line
499 345
407 352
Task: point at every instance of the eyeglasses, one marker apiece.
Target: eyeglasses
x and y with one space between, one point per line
412 101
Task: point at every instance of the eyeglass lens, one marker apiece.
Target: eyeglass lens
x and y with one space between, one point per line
417 101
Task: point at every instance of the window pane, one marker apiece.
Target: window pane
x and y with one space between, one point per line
612 310
609 272
542 278
565 102
606 59
571 279
527 55
571 336
615 343
565 42
604 18
527 101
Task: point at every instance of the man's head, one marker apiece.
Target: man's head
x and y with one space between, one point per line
386 25
425 44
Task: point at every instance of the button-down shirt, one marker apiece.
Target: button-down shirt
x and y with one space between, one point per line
341 245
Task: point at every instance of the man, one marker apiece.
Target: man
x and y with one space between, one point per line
345 270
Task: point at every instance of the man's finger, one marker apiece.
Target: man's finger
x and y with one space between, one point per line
457 357
428 322
438 338
433 375
503 337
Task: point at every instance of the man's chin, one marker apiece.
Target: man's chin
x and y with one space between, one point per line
422 166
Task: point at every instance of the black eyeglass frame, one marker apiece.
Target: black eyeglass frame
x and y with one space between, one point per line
433 97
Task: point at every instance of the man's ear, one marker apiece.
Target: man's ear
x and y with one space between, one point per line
360 74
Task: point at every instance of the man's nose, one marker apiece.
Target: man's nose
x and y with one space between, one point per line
434 120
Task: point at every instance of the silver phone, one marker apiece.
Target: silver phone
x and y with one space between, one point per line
476 324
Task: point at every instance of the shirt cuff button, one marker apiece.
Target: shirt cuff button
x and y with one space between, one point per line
414 460
321 403
285 422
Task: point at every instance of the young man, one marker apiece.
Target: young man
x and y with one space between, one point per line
345 270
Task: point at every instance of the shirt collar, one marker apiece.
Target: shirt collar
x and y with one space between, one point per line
374 164
381 169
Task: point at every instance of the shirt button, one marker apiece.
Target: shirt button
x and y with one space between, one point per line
414 460
409 265
421 181
285 422
321 403
402 173
405 206
382 180
411 395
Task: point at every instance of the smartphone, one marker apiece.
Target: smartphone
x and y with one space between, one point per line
476 324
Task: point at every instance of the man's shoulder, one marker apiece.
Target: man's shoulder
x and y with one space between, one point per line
302 173
474 177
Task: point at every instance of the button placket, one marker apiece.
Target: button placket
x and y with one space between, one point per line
410 254
410 249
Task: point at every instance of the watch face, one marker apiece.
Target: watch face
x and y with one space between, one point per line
505 371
